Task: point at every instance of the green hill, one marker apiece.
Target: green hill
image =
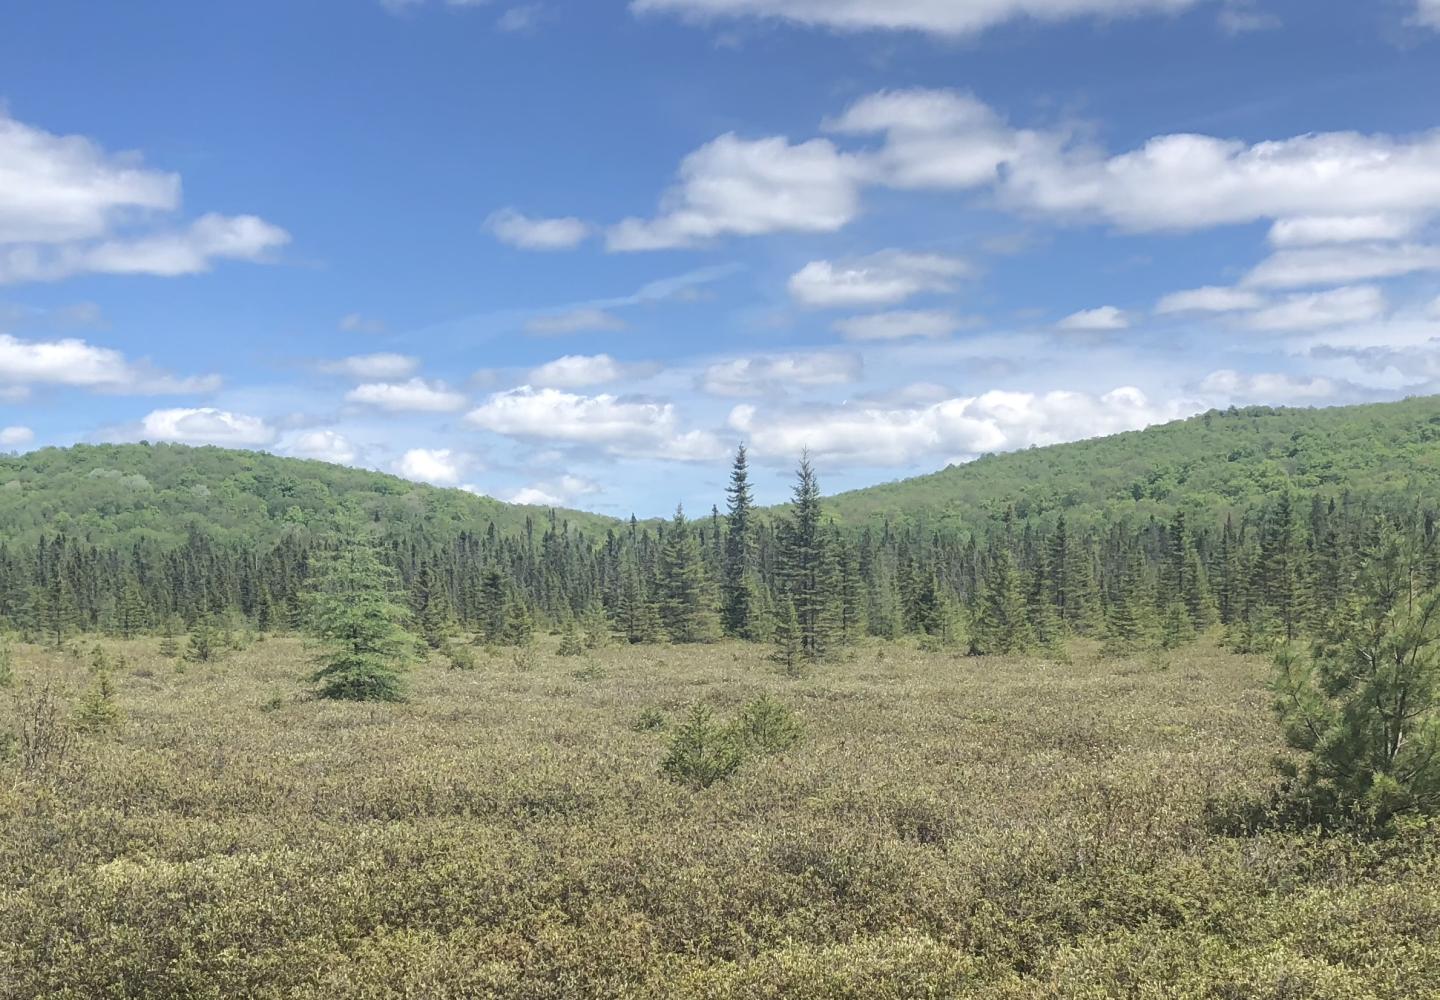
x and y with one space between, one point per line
1214 462
116 495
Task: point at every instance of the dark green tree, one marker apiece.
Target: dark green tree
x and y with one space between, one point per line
354 615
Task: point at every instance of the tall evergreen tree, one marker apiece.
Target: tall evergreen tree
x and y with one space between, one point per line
807 570
685 602
356 618
738 590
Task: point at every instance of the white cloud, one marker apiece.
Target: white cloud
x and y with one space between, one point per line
586 319
629 427
11 437
575 371
933 138
321 445
61 189
69 207
416 395
206 425
898 325
1211 298
961 427
939 17
438 466
1103 318
1314 230
521 19
742 187
518 230
1338 265
1427 13
1315 310
554 494
766 375
885 278
76 363
1267 387
1182 182
166 254
372 366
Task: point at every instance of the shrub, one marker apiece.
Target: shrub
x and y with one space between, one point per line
98 712
765 726
45 740
7 662
702 752
461 657
649 720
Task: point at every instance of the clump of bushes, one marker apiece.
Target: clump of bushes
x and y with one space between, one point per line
704 751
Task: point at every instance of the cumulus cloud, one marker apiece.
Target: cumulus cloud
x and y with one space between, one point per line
575 371
637 428
586 319
321 445
413 396
768 375
1312 230
1267 387
559 493
742 187
1315 310
899 325
958 428
69 207
950 18
1212 299
192 250
1103 318
206 425
372 366
1338 265
62 189
437 466
881 279
933 138
78 364
1427 13
518 230
14 437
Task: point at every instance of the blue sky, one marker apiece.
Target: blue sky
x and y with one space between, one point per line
574 252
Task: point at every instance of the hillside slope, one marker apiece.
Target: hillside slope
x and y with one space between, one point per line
1213 462
121 494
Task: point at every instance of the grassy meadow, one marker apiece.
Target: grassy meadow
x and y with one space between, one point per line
947 827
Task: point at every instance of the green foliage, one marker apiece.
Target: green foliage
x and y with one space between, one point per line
461 657
7 661
685 601
702 751
358 623
98 711
1364 706
571 644
765 726
205 643
649 720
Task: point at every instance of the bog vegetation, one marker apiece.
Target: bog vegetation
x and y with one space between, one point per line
283 730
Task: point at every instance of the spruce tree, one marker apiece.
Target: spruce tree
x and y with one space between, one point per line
1364 706
1000 625
737 597
358 622
685 603
807 570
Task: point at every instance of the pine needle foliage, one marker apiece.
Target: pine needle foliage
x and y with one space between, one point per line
354 614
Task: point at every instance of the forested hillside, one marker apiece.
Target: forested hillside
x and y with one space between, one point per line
1220 461
118 495
1252 520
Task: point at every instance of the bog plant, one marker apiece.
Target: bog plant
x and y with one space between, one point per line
765 726
702 751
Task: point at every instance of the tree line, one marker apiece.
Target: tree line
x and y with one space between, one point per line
1279 569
